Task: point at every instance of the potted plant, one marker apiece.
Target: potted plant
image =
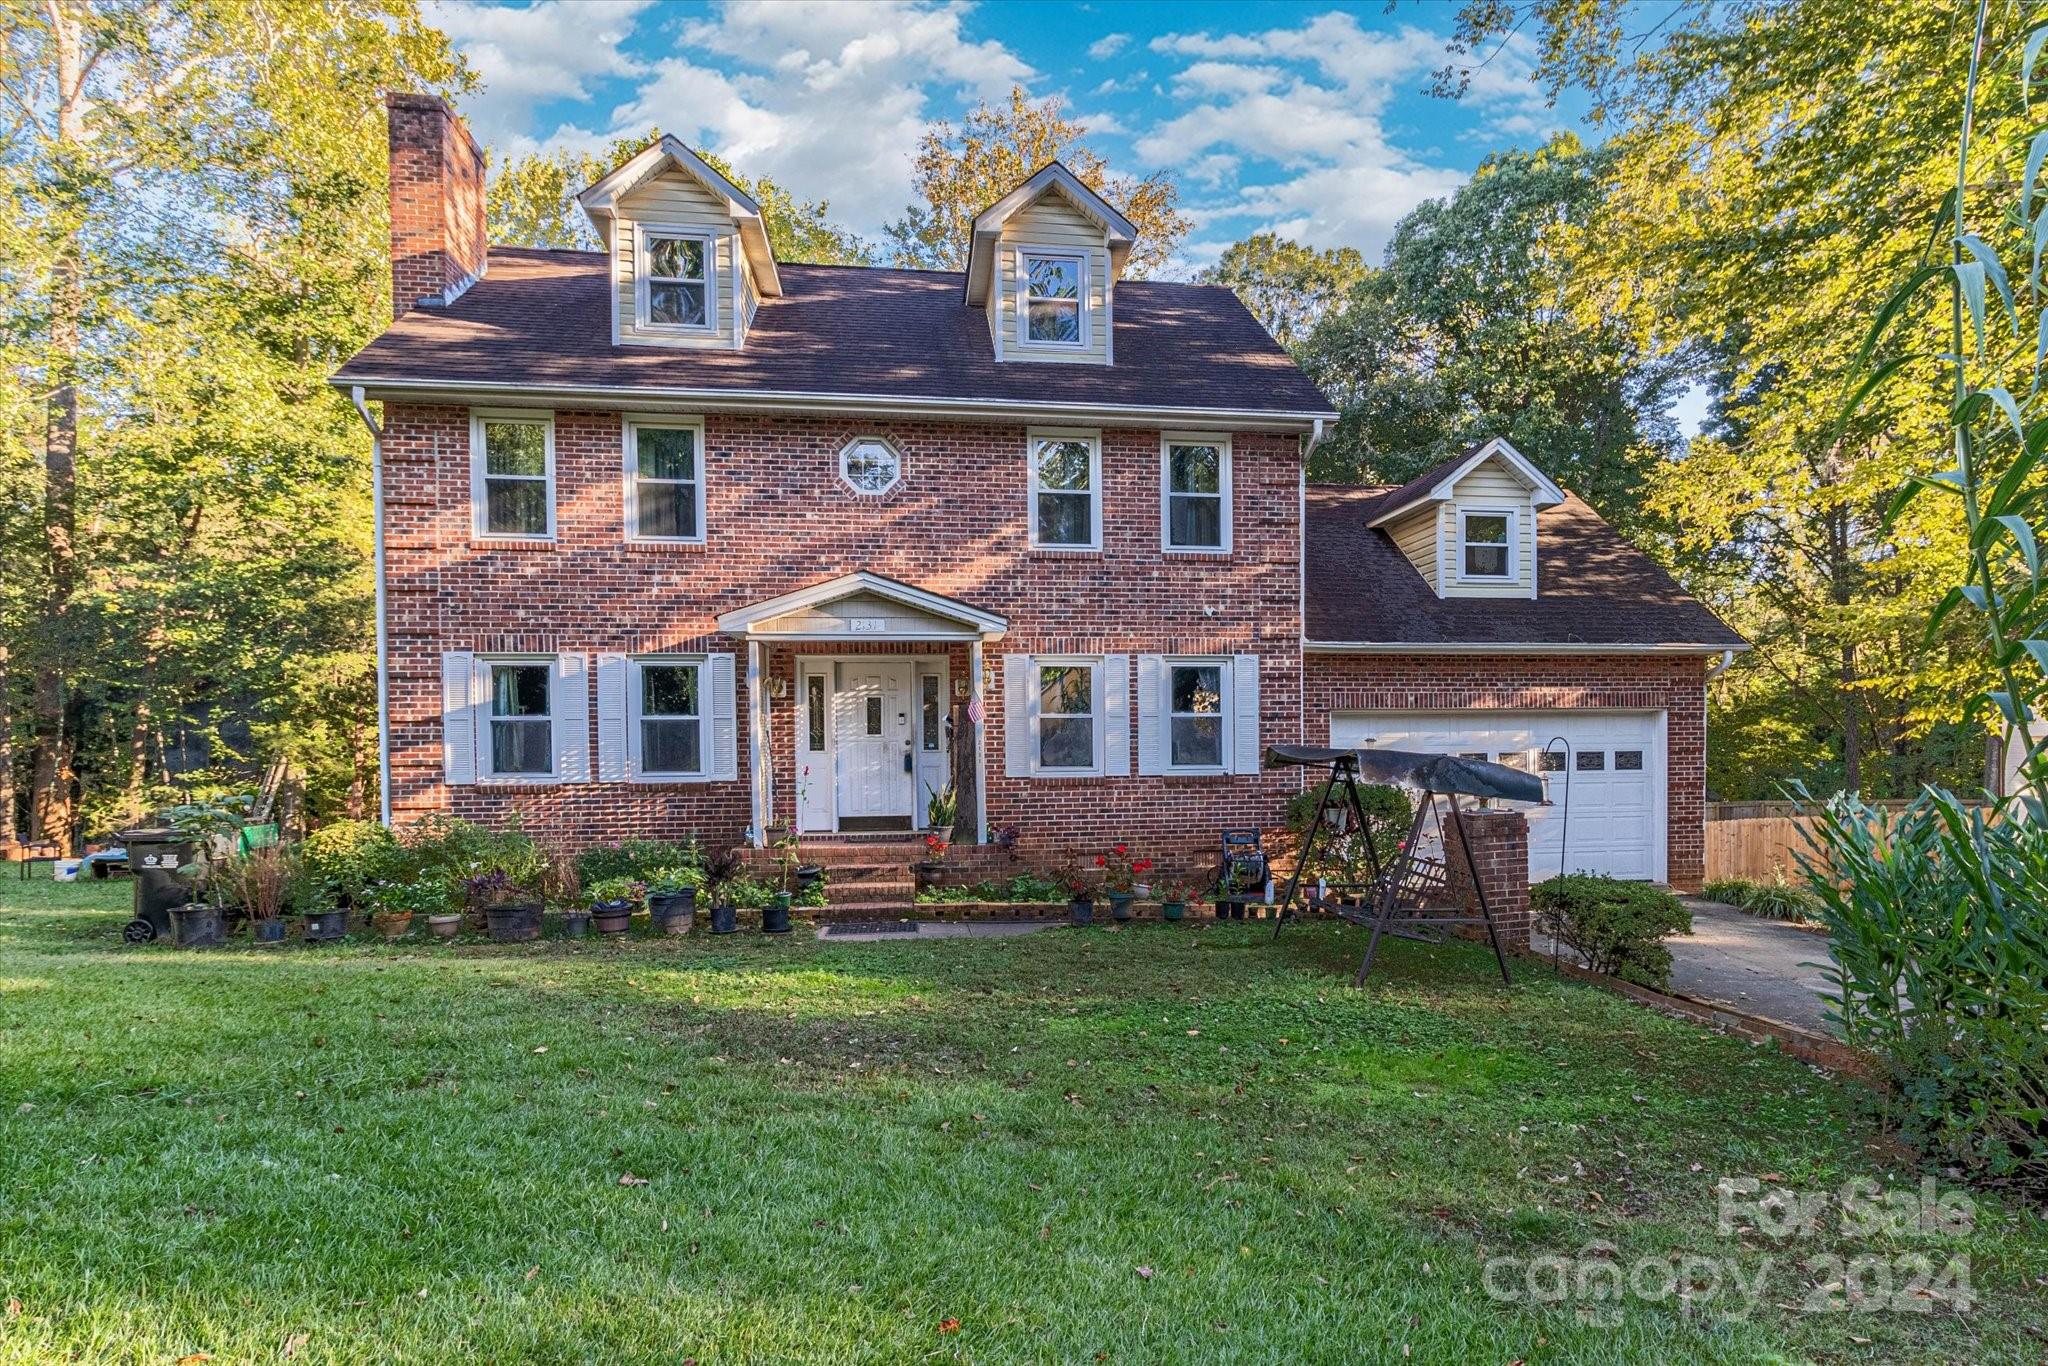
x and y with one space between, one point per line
672 899
720 875
394 904
751 894
928 870
561 890
209 829
511 911
611 903
1080 896
942 812
775 900
259 882
1173 898
1120 873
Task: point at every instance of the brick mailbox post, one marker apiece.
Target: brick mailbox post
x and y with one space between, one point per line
1500 850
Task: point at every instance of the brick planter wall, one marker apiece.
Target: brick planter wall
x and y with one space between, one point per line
1675 685
1500 849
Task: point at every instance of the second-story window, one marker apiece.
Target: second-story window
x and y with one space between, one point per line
512 465
1486 547
1066 502
677 270
664 480
1053 292
1197 493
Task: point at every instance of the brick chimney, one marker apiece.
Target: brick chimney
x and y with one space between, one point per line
438 233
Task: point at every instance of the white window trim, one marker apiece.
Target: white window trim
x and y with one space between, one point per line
1096 712
643 260
847 450
1513 559
1167 441
1032 438
630 464
479 505
1080 259
485 773
1226 714
636 765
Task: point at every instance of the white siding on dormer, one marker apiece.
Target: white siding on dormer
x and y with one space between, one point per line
675 199
1417 536
1491 488
1053 223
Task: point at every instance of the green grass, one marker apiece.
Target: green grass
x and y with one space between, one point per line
415 1152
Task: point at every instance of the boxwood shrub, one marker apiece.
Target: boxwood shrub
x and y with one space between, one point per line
1617 927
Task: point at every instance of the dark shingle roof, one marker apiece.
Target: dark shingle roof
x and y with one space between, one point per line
542 319
1593 587
1420 487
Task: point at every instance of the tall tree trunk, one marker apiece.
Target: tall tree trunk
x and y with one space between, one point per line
8 829
53 814
1841 583
134 799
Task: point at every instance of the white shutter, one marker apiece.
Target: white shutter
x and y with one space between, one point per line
458 718
1116 716
1245 754
613 677
1152 722
1017 715
725 731
571 707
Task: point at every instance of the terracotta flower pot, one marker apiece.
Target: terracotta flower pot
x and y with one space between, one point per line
444 926
392 924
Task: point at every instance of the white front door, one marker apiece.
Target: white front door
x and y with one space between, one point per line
1606 782
873 734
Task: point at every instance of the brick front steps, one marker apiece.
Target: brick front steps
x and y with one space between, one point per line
995 910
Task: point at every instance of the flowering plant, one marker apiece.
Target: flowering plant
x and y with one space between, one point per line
935 847
1120 872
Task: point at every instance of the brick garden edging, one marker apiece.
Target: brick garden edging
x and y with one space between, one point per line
1819 1050
1010 910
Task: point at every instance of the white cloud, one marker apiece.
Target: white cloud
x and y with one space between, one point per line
1100 124
553 50
1107 46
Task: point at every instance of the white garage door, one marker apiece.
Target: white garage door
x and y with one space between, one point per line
1606 801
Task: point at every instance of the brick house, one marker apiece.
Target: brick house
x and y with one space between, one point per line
677 538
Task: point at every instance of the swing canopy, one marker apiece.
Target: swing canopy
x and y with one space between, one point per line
1427 772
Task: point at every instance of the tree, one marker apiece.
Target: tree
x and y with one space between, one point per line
532 202
1479 325
1774 167
1288 287
961 171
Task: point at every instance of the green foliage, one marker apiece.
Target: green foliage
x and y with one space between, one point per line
943 808
1288 287
422 894
670 880
1617 927
1021 889
746 893
1341 856
1940 954
638 859
342 859
613 890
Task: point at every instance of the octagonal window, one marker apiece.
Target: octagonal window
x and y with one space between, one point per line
869 464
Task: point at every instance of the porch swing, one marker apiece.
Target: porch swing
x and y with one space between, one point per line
1408 895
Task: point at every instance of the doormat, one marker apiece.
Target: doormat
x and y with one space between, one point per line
840 927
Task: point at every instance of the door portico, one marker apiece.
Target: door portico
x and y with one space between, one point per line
869 719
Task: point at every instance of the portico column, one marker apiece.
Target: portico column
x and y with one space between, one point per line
977 730
757 744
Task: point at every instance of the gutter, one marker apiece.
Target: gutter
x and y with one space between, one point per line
1721 666
1344 647
383 640
799 401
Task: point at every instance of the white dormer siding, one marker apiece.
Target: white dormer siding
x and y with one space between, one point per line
674 203
1486 491
1420 539
1055 229
1472 534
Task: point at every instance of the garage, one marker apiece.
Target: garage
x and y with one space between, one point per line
1606 781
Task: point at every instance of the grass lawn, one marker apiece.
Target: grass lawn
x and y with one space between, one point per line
1148 1144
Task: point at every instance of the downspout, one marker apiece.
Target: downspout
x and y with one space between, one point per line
377 557
1722 666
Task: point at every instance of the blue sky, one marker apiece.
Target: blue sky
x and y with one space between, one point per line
1302 118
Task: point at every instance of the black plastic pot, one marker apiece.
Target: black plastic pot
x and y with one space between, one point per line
575 924
322 926
1081 911
513 923
269 931
724 919
808 876
775 915
1120 905
197 926
612 917
672 912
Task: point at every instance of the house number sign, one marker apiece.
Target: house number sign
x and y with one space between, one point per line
865 626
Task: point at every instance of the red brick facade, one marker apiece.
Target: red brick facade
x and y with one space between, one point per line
438 237
777 518
1674 685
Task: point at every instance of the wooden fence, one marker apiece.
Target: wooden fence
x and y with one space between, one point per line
1757 849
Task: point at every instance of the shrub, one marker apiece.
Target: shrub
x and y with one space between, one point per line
637 859
343 859
1941 965
1729 891
1778 900
1340 855
260 881
1617 927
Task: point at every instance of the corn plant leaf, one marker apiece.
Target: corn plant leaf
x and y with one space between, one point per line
2027 60
1869 386
2002 399
1969 277
2023 537
2037 151
1985 255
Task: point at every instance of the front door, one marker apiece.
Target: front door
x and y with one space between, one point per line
875 759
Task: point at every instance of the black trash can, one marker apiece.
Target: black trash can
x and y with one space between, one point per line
155 854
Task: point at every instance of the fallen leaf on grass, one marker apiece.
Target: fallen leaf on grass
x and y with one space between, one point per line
194 1358
292 1345
1145 1273
631 1180
531 1272
13 1308
542 1049
949 1325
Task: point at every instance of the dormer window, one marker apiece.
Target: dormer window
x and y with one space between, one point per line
1054 286
675 274
1486 546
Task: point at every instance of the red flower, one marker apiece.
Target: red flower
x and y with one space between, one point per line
1099 862
1122 849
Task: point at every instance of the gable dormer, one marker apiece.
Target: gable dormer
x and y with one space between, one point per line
1043 264
1469 525
689 251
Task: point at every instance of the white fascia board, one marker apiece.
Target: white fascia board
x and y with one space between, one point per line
798 401
1119 233
600 201
1544 492
987 624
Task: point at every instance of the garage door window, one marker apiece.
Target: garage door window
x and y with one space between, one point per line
1551 761
1592 761
1628 761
